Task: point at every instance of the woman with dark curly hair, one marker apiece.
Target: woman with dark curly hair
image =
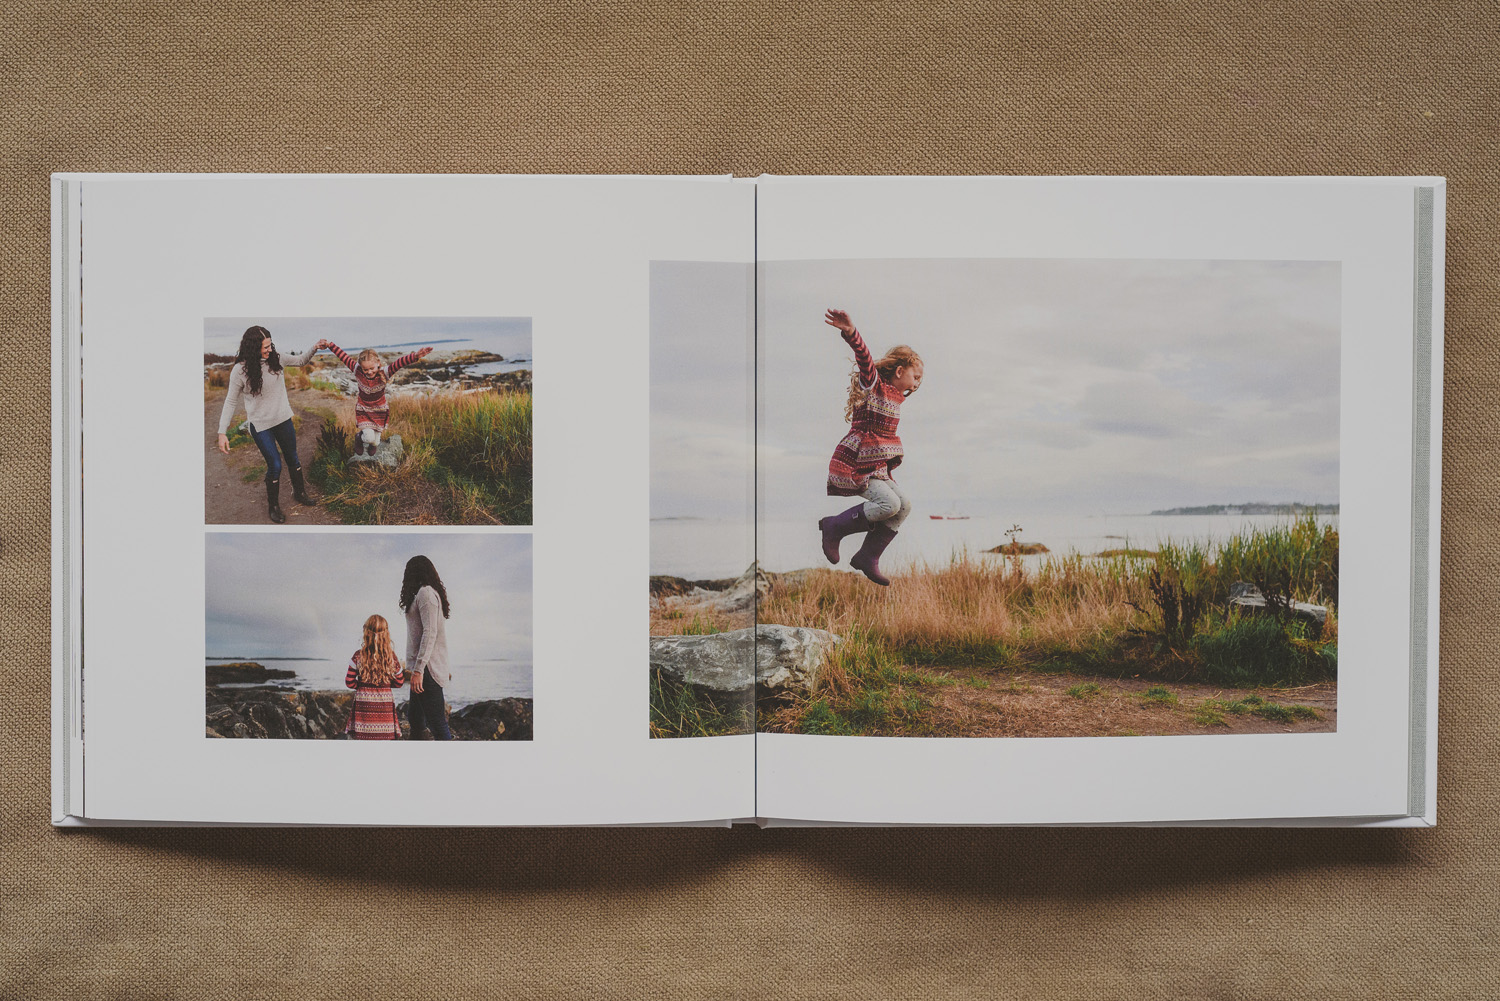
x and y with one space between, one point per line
425 603
256 380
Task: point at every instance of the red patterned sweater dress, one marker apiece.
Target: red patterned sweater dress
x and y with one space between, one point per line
871 449
371 409
373 714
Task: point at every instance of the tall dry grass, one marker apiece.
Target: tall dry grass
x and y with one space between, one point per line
970 609
467 460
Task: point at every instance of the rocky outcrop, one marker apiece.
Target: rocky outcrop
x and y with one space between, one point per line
1247 597
441 370
736 594
285 714
774 657
1019 549
388 453
502 719
244 673
276 713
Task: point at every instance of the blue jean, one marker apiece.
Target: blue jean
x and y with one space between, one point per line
427 711
284 435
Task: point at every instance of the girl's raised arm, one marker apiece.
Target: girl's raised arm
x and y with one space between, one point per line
351 675
338 353
406 360
840 319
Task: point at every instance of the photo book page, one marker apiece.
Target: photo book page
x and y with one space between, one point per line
347 466
1111 500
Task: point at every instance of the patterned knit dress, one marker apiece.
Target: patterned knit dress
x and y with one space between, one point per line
871 449
371 409
373 714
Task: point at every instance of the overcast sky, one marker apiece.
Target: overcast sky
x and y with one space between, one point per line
1091 387
509 336
701 316
302 594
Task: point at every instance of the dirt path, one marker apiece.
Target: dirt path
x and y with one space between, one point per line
988 703
227 498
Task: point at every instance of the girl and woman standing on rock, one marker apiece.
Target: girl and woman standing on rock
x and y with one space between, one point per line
375 671
257 381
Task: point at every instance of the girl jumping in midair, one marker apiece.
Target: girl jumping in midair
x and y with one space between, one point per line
371 409
862 463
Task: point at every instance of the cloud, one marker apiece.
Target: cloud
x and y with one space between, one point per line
308 594
1101 382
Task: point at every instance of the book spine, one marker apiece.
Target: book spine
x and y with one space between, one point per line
67 526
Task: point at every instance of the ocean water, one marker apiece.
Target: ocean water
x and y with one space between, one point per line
474 682
709 549
496 367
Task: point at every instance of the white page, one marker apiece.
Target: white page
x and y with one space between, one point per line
161 254
1365 228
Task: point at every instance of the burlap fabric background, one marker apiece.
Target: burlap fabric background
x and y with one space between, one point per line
802 87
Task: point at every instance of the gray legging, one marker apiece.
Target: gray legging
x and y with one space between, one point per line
885 503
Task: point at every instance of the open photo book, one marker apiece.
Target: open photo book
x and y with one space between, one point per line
702 500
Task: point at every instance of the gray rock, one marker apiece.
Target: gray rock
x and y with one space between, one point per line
388 453
737 595
1247 596
244 673
772 656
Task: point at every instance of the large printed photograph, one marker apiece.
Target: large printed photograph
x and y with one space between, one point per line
367 420
1032 498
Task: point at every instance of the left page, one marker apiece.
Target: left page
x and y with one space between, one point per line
351 466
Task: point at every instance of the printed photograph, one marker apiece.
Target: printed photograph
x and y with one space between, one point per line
1035 498
703 579
367 420
359 636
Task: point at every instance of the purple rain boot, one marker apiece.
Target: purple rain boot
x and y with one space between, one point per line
837 526
867 560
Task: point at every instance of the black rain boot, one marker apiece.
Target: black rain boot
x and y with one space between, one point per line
867 560
299 489
273 501
834 529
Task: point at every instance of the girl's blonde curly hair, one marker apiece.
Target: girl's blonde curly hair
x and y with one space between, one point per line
900 356
378 663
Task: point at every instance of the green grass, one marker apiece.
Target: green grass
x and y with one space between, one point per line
1086 690
700 627
679 710
1159 695
863 689
1211 712
1257 650
960 651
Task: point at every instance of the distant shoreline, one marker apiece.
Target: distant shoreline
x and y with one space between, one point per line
1255 508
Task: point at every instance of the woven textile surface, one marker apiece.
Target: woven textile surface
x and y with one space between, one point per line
781 87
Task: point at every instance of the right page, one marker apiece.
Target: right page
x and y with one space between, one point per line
1098 500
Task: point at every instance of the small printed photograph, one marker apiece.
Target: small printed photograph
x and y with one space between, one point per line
358 636
367 420
1049 498
703 581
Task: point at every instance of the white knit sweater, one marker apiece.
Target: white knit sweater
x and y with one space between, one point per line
267 408
426 639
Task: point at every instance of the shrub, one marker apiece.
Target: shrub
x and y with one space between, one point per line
1251 651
